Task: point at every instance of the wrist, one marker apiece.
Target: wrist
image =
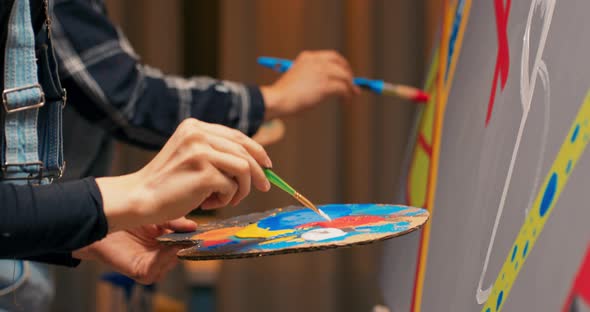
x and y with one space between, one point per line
273 102
85 253
122 201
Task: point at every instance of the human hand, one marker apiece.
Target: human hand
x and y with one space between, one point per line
313 77
136 253
202 164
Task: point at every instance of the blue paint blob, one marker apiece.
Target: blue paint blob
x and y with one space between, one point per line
292 219
514 250
548 195
568 168
375 210
575 134
386 228
414 213
220 245
526 249
499 300
279 245
488 310
453 36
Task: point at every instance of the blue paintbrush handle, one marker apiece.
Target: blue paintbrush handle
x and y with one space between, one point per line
277 64
282 65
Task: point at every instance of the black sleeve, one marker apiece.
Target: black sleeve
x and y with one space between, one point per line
57 258
48 220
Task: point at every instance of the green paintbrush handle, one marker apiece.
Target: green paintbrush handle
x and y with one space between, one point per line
276 180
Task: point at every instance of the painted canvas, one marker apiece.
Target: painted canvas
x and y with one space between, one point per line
503 147
297 229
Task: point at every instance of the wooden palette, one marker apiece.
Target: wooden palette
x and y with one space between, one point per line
296 229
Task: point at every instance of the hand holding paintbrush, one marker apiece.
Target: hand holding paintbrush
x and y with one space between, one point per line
377 86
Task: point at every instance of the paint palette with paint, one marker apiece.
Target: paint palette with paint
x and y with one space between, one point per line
296 229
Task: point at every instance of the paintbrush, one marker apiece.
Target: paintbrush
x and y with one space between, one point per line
280 183
377 86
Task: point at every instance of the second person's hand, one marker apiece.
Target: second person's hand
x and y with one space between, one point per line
314 77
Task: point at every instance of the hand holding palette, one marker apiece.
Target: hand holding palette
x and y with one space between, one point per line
296 229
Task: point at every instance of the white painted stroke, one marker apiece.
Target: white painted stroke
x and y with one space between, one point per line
527 89
322 234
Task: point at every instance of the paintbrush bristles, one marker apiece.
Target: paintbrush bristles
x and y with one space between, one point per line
405 92
305 202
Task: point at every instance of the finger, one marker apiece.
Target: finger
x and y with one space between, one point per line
336 58
157 269
337 72
253 148
168 260
234 167
180 225
224 145
337 88
217 200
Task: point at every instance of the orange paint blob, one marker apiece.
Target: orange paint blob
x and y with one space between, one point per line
216 235
344 222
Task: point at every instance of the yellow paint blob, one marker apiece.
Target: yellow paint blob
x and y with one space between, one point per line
253 231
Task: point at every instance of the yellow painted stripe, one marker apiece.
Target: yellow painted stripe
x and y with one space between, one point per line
571 150
442 96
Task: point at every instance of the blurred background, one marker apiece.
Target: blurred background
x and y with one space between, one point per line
340 152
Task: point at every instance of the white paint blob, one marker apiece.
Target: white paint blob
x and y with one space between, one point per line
322 234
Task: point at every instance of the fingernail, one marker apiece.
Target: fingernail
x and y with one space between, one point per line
267 185
268 163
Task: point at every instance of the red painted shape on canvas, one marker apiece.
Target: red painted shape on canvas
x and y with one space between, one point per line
503 56
581 287
425 146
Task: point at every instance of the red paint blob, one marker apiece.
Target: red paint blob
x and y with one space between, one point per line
211 243
344 222
421 96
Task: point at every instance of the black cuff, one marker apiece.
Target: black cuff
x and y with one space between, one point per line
64 259
256 116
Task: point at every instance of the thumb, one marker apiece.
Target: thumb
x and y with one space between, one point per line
180 225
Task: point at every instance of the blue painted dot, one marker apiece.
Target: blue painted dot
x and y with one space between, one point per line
548 195
525 249
514 250
575 134
499 300
488 310
568 168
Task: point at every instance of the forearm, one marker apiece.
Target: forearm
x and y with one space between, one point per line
137 103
